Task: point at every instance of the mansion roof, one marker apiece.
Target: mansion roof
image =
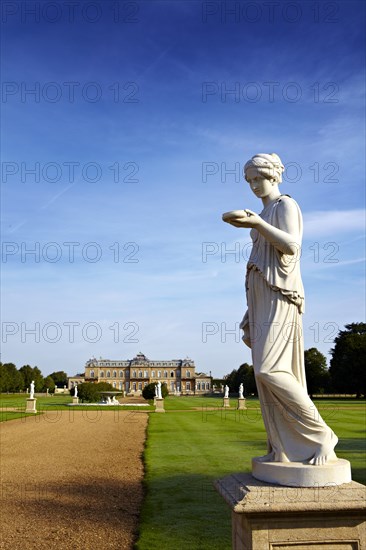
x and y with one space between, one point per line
140 359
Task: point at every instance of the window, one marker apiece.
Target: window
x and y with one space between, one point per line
114 384
134 374
101 374
108 373
114 374
159 374
198 385
140 385
146 374
145 384
171 374
207 385
127 373
121 373
134 386
172 386
188 374
165 374
188 386
91 374
121 385
153 374
140 373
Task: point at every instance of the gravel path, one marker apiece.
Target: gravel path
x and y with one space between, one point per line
72 480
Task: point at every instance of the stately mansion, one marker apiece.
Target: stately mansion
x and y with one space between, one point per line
132 375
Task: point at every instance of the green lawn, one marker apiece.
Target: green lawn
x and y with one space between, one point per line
47 405
186 451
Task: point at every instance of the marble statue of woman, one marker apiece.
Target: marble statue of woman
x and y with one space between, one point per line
31 392
159 390
226 394
76 390
241 390
272 325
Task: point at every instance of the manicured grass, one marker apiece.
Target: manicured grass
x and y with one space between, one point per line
185 402
12 415
47 405
186 451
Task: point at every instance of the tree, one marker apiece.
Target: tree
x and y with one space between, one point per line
90 393
32 373
60 378
348 359
245 375
27 372
149 391
49 383
11 380
317 374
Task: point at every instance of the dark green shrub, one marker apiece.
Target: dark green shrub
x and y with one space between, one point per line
90 393
149 391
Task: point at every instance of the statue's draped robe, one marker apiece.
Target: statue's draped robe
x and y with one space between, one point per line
275 297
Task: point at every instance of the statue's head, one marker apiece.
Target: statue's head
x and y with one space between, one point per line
269 166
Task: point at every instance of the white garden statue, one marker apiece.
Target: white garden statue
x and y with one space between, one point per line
76 390
241 391
31 391
226 394
272 325
158 385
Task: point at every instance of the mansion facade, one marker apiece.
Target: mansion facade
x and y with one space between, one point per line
132 375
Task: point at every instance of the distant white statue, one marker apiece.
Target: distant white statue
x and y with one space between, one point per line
159 390
226 391
275 296
31 392
76 390
156 390
241 391
115 401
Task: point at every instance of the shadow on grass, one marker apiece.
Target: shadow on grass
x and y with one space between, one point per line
199 518
355 449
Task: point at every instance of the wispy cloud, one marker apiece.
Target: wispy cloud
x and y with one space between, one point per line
323 223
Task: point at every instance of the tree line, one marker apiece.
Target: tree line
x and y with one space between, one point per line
345 374
17 380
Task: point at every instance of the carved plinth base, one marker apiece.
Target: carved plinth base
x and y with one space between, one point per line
298 474
226 403
241 404
75 400
31 406
159 405
270 517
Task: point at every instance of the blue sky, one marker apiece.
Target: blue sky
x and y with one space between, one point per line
138 145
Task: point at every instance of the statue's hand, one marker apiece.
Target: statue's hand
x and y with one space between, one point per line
242 218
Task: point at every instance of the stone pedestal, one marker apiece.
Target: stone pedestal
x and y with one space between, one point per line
226 403
31 405
241 404
270 517
75 400
159 405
